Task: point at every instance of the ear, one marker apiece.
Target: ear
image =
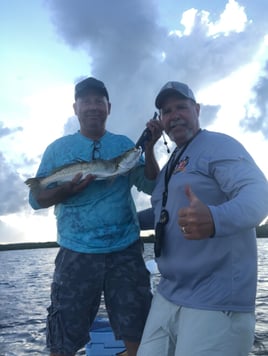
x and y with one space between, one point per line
109 108
197 108
75 109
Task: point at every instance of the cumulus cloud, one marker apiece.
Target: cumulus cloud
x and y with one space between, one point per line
256 118
5 131
135 56
13 197
208 114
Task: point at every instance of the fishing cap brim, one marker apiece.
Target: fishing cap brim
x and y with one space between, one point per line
83 87
173 88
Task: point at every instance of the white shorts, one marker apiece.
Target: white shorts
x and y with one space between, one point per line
172 330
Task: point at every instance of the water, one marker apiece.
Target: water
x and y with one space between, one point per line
24 296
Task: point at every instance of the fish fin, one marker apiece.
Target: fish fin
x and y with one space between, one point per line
33 183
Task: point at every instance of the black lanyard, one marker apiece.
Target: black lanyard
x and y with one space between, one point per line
174 159
164 215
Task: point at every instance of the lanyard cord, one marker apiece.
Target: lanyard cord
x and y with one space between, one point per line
171 166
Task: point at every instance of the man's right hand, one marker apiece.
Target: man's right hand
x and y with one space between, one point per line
53 196
77 185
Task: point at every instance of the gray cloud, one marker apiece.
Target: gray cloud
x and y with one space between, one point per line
5 131
208 114
259 120
13 193
125 44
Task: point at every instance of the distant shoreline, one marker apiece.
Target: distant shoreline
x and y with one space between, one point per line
262 232
27 245
34 245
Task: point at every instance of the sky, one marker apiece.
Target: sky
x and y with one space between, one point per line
219 48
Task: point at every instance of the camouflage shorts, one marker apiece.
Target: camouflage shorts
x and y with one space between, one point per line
78 282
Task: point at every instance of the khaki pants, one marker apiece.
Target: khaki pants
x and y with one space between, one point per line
172 330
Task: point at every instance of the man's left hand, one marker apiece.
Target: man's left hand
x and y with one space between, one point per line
195 221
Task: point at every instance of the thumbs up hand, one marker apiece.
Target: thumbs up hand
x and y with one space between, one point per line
195 221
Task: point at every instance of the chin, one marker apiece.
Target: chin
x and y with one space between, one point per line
180 140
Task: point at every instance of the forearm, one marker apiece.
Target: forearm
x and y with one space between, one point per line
245 211
151 168
49 197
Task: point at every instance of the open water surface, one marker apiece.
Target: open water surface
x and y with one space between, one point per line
25 277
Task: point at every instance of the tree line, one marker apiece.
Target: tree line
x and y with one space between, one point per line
262 232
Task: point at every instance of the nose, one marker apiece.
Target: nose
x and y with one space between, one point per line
92 106
174 115
175 112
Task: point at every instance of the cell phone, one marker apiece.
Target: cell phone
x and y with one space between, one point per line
145 136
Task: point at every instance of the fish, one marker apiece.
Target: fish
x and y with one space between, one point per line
100 168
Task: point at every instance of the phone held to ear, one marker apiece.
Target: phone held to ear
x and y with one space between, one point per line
145 136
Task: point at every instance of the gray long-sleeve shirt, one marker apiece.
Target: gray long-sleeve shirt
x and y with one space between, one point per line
218 273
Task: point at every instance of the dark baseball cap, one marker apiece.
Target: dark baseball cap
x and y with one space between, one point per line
90 83
173 88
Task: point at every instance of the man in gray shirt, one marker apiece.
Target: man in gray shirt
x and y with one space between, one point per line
208 200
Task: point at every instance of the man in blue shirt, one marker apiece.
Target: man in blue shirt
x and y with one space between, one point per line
98 230
208 200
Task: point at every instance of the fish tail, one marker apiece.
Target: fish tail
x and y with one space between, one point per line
33 183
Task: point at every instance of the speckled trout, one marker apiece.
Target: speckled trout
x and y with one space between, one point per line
102 169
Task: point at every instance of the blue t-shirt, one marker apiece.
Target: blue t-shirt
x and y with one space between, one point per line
102 218
218 273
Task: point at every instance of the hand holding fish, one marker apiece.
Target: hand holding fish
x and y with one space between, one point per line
73 178
77 184
53 196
